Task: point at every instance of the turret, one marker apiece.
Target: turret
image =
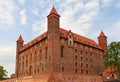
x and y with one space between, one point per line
102 41
53 22
19 45
54 39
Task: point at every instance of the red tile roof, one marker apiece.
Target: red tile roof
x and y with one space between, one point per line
20 39
34 41
101 34
64 34
53 11
79 38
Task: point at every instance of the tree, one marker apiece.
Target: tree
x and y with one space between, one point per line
3 73
13 75
112 56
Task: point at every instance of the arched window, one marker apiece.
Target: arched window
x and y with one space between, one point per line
62 51
46 53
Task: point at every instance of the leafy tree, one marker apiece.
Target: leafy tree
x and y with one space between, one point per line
12 75
112 56
3 73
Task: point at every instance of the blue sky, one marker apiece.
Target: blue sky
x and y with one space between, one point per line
29 18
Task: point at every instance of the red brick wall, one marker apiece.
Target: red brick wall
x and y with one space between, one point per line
55 77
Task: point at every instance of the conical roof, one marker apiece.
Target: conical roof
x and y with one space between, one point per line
101 34
20 39
53 11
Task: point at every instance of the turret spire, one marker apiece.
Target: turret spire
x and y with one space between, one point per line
102 41
102 34
20 39
53 11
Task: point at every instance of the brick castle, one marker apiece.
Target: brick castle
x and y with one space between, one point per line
60 51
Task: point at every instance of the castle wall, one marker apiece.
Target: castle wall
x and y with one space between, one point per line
81 59
57 77
34 60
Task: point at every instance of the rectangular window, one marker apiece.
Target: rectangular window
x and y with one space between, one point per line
62 69
81 71
81 52
75 64
75 50
81 65
75 70
75 57
86 71
86 65
91 60
81 58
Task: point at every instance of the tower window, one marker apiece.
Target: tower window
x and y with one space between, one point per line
46 53
62 52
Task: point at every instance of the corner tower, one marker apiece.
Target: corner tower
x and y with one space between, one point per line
53 40
19 45
102 41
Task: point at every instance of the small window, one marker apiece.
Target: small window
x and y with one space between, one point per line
81 58
75 64
86 71
86 65
86 59
82 71
81 65
42 69
91 60
75 50
46 52
76 70
81 52
62 69
75 57
62 51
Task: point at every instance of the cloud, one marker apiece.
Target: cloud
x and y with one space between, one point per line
22 2
106 3
39 26
115 28
7 11
7 57
118 4
79 16
23 17
35 11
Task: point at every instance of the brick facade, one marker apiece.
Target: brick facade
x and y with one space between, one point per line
61 51
57 77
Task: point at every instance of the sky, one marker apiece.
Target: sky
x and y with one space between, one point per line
29 18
